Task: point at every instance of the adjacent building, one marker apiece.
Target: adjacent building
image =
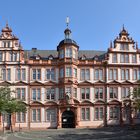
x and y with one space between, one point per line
69 87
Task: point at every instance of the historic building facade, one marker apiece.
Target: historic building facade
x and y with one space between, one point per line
69 87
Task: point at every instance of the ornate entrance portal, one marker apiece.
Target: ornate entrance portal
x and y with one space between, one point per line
68 119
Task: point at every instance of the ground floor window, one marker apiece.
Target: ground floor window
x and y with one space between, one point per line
114 112
85 114
36 115
51 115
20 117
98 113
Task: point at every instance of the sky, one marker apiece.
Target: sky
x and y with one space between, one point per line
94 23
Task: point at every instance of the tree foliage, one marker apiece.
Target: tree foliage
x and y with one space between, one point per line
9 104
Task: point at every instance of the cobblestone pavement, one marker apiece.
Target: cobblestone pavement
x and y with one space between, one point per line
110 133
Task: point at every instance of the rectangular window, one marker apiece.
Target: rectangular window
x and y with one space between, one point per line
20 117
68 52
124 47
113 92
68 72
18 74
20 93
125 92
50 74
134 74
23 74
75 72
134 58
115 74
85 114
114 113
9 74
98 113
4 74
127 74
61 93
98 93
114 59
36 74
85 93
36 94
98 74
111 74
85 74
126 58
123 74
122 58
51 115
82 74
36 115
61 53
1 54
61 72
50 93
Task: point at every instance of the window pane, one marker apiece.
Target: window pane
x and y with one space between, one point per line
111 74
34 115
83 114
87 113
23 74
9 74
96 114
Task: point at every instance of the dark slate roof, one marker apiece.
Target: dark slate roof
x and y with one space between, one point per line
88 54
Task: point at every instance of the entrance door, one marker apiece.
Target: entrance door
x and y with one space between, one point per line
68 119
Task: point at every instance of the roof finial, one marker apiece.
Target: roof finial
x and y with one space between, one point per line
137 45
111 44
67 21
6 23
123 27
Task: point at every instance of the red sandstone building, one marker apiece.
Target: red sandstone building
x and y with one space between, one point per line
69 87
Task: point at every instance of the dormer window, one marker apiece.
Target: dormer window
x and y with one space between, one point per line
124 47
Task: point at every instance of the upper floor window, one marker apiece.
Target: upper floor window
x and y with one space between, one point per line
68 52
85 93
85 114
125 92
50 74
99 113
36 94
6 44
61 93
36 115
74 54
50 94
85 74
51 115
98 74
61 72
68 72
36 74
21 93
113 74
61 55
124 58
124 47
20 74
114 58
135 74
14 57
1 56
99 93
125 74
113 92
68 90
6 74
134 58
75 72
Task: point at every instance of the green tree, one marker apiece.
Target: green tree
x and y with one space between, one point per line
9 104
136 96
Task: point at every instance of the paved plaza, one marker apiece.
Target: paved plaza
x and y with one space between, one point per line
109 133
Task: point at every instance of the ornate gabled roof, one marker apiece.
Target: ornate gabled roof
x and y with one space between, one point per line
114 82
5 83
20 83
85 83
124 37
7 33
